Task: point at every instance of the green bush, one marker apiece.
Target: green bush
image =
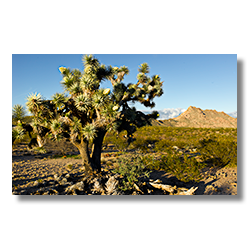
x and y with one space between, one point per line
130 168
184 168
119 142
163 145
220 152
142 143
151 162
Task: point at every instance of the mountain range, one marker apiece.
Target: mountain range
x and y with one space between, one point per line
197 118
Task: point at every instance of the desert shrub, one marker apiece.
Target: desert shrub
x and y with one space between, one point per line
142 143
184 168
185 136
119 141
139 143
163 145
130 169
151 162
220 152
181 143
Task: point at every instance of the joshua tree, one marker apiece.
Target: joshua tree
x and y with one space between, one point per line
19 131
18 112
88 112
18 115
17 134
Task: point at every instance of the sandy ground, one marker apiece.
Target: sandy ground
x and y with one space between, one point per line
27 168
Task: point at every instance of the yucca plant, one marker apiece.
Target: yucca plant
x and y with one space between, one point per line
18 112
17 134
86 112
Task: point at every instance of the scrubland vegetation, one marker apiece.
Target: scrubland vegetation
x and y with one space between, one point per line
182 152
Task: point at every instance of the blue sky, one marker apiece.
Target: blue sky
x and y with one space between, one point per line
204 81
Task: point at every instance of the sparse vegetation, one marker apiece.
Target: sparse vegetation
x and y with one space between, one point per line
157 150
183 152
161 139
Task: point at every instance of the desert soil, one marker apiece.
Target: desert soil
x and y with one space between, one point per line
28 167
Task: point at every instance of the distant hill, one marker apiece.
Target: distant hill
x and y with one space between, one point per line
198 118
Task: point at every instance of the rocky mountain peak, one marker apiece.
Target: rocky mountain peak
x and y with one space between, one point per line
198 118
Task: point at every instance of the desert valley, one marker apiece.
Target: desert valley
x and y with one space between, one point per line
194 153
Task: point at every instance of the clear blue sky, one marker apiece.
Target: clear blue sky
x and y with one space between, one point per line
204 81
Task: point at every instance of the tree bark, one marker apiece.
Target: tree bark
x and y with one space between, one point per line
97 149
41 141
84 152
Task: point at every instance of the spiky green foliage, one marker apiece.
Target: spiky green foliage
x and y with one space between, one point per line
59 100
82 102
18 112
144 68
17 133
33 102
85 112
75 89
89 132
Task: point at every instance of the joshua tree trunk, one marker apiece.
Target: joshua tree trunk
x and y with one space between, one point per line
40 141
97 149
84 152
